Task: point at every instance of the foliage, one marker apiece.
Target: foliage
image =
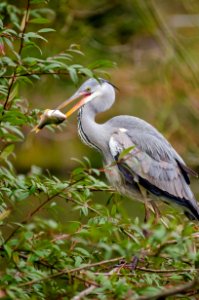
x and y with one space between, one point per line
102 252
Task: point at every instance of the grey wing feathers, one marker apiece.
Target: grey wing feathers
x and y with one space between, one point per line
148 138
155 165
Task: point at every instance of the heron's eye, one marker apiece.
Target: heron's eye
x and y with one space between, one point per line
88 89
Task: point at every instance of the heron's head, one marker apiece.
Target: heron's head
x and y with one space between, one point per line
99 90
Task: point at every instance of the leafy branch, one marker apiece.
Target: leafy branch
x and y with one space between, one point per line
70 271
24 24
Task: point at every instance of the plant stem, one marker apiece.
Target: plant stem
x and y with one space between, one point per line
24 25
171 292
70 271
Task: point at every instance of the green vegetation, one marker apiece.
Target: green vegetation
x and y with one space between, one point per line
69 236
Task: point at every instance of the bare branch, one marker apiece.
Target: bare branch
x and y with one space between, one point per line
84 293
166 271
173 291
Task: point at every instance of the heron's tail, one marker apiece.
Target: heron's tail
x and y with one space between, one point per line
191 209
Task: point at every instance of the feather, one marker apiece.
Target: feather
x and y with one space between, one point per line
165 178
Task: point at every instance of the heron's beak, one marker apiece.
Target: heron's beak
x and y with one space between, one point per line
80 95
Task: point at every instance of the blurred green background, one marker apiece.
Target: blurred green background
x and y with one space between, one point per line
154 45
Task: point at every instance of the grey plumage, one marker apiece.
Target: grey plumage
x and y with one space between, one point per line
151 163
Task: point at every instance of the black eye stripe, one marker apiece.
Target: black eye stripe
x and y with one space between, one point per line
104 80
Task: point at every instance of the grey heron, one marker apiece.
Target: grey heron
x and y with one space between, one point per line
150 167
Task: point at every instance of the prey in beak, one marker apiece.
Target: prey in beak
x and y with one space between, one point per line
56 116
49 117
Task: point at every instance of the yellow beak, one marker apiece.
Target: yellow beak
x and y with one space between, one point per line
83 97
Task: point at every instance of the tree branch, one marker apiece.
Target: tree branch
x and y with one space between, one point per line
38 208
31 215
47 201
24 25
166 271
35 73
84 293
173 291
70 271
49 266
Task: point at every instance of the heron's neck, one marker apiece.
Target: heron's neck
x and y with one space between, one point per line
90 132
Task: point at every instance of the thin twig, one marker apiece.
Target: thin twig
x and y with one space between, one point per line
35 73
31 215
161 247
25 20
77 202
84 293
70 271
166 271
171 292
47 201
90 289
26 17
38 208
52 267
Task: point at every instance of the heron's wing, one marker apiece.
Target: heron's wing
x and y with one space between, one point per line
151 141
158 148
160 177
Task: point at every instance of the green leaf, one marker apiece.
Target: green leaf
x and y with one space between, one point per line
38 1
8 61
39 20
25 79
16 131
7 151
34 35
102 63
86 72
8 250
125 152
82 251
73 75
9 43
84 210
78 261
4 214
44 30
21 194
1 24
30 60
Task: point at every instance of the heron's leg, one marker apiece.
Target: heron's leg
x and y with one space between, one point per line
147 208
156 210
147 211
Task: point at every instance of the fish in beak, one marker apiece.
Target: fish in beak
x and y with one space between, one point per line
49 117
56 116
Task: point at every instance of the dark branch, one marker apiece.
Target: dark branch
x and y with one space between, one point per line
71 271
38 209
25 20
36 73
173 291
